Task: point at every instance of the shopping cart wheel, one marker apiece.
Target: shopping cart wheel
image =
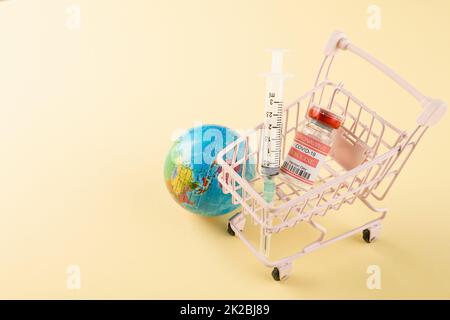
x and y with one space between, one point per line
276 274
366 235
282 272
238 221
370 235
230 230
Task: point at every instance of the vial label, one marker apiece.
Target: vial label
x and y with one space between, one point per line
305 158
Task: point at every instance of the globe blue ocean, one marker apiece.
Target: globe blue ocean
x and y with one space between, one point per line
190 170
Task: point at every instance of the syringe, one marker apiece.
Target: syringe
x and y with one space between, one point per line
273 120
271 146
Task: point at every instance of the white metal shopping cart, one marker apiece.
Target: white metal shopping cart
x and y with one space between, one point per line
382 147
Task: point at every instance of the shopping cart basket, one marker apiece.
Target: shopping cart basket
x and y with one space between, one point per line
384 149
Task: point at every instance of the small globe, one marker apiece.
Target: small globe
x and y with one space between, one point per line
190 170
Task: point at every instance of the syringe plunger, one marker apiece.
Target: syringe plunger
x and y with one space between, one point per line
277 60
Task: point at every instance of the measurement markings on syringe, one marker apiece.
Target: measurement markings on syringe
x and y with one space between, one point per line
272 134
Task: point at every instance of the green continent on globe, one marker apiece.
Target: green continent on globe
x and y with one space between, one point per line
181 183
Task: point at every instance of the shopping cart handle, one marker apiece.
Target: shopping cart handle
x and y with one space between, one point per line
338 40
433 109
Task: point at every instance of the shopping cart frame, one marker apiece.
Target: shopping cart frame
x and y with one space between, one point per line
388 149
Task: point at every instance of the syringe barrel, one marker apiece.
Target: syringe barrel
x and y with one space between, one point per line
271 155
275 83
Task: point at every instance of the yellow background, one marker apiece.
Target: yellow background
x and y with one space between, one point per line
86 117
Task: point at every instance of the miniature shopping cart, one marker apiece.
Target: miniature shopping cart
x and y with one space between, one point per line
383 148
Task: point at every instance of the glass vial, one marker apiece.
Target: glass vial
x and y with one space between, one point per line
311 146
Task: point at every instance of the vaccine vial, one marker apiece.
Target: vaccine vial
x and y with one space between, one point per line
311 146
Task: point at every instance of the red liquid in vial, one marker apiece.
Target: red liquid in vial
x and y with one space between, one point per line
325 117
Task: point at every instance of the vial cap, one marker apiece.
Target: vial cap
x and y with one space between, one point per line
325 117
